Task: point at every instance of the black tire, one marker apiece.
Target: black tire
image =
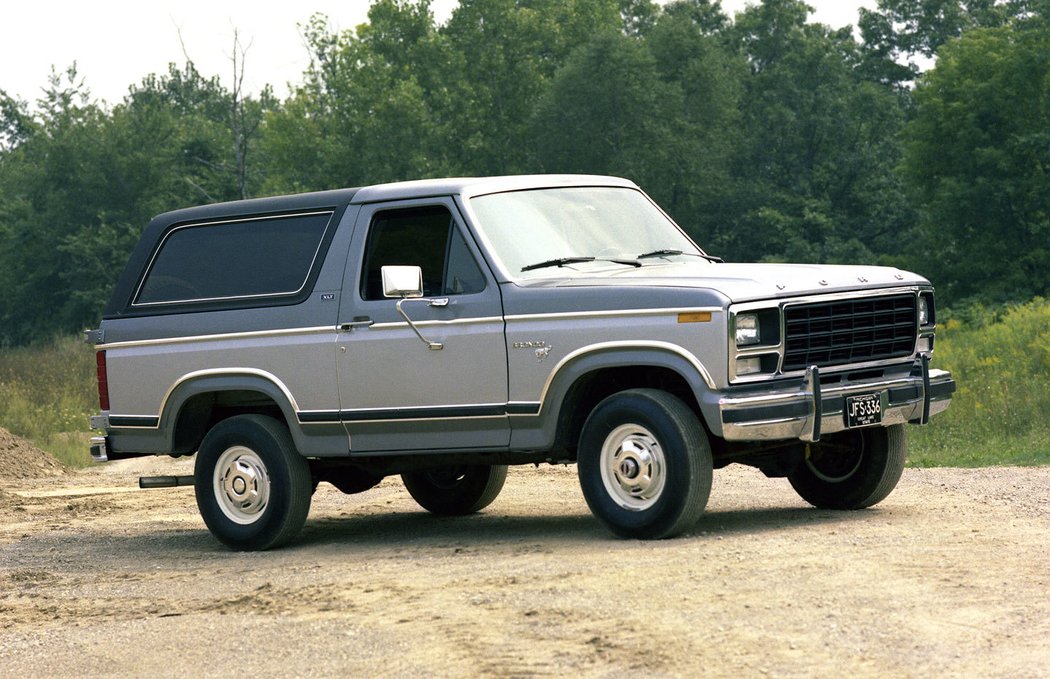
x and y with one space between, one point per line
852 469
456 490
657 438
253 487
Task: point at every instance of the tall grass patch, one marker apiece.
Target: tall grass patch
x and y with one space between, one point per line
47 395
1000 359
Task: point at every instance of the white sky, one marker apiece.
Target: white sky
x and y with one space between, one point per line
115 43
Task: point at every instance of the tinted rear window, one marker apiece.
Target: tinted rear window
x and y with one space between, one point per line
270 256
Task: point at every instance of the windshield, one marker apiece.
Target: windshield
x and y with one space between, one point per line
540 232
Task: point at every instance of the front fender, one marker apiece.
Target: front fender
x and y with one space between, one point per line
535 425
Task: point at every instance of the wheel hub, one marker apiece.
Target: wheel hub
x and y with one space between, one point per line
629 468
242 484
632 467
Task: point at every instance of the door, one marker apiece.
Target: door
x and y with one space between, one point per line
396 392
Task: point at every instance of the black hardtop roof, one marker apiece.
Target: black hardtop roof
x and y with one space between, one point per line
254 206
335 201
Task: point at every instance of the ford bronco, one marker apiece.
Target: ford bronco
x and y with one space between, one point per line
441 330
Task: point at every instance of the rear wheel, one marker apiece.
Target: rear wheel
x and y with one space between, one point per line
644 464
852 469
455 490
253 487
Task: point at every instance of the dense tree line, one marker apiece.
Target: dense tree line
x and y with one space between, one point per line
766 136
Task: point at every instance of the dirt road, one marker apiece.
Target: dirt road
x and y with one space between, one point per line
950 576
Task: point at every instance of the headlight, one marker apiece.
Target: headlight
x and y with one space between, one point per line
925 310
747 330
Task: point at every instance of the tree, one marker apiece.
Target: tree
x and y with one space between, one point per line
689 43
978 155
80 181
48 177
372 105
901 33
818 141
508 52
608 112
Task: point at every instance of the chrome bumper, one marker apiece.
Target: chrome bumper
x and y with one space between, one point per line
814 410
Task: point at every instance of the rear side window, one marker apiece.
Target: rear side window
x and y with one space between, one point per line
248 258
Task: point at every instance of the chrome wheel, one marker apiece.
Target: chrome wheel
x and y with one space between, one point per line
633 468
644 464
241 484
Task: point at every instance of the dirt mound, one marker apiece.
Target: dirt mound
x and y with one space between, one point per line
20 459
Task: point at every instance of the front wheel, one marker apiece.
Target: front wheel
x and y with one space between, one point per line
853 469
253 487
644 464
456 490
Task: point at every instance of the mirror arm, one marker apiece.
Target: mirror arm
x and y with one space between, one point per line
433 346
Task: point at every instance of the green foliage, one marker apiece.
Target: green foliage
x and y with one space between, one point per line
607 111
978 155
1001 361
904 29
79 182
814 166
48 394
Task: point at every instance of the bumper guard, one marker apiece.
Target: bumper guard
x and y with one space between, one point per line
816 410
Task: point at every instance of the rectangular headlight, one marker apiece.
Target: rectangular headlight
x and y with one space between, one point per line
926 316
747 330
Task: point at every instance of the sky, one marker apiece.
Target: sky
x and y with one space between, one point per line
115 43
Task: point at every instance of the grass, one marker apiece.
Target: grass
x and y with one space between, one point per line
999 357
47 395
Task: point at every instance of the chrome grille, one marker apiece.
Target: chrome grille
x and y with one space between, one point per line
849 331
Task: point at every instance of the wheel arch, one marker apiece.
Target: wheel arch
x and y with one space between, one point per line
583 379
200 400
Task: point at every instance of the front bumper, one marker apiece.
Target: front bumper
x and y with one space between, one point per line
813 410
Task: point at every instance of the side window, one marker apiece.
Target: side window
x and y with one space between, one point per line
246 258
426 237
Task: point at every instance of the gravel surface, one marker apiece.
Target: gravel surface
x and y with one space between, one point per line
949 576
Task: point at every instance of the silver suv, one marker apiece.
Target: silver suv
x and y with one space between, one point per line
444 329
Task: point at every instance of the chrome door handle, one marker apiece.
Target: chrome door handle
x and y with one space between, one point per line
358 322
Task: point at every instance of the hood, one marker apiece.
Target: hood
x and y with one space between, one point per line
746 282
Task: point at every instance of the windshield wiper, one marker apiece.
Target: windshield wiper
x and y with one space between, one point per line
660 253
562 261
671 253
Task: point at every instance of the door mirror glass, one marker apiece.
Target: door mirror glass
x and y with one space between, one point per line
402 281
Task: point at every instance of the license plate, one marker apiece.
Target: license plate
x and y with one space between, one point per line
863 410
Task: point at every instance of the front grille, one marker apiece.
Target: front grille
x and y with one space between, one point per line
849 331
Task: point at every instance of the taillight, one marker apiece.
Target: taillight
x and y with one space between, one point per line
103 380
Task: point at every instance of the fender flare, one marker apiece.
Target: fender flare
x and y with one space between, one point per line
229 379
608 355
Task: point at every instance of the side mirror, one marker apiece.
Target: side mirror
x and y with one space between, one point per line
406 283
402 281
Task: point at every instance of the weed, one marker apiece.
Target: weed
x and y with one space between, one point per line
47 395
1000 360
